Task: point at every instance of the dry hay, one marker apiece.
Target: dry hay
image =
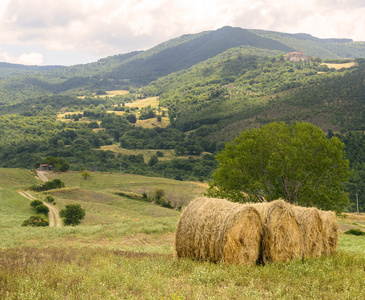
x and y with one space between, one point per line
219 231
330 232
312 229
282 238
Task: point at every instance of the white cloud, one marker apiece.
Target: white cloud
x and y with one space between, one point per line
106 27
24 59
31 59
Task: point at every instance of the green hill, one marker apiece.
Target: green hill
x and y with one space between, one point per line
211 86
141 68
7 69
323 48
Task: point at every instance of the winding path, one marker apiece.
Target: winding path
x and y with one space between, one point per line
42 176
53 215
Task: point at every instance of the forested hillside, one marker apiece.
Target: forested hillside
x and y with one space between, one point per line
171 108
142 67
324 48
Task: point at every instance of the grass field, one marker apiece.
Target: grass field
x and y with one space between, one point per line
140 103
340 66
152 123
124 250
147 153
109 94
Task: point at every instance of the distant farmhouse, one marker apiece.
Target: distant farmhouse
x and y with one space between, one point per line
297 56
45 167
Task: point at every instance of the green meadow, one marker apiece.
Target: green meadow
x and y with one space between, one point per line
124 249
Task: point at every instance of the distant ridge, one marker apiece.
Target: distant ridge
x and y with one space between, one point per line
28 67
191 52
140 68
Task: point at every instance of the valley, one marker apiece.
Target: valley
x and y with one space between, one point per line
135 137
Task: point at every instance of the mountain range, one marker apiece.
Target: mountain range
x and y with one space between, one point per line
142 67
207 87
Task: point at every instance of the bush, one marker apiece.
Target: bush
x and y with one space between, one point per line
161 200
355 232
164 202
72 214
35 203
42 209
131 118
49 199
153 160
36 221
49 185
85 174
159 193
159 154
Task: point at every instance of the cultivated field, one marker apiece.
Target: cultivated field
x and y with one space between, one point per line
109 94
147 153
124 250
140 103
340 66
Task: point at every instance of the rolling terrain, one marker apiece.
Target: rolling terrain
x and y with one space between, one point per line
181 102
124 249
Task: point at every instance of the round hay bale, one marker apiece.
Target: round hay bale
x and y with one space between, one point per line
330 232
312 230
219 231
282 238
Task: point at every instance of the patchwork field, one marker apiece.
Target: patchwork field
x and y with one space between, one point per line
340 66
124 249
147 153
109 94
140 103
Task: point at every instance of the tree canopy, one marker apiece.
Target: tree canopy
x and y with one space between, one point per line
294 162
72 214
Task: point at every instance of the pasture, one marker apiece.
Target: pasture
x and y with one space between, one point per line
168 154
124 250
340 66
108 94
140 103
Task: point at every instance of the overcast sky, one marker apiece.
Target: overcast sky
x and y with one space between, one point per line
68 32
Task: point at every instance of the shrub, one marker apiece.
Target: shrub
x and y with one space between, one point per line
153 160
42 209
161 200
164 203
159 193
131 118
85 174
49 199
36 221
159 154
35 203
49 185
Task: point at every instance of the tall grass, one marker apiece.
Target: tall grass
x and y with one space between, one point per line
14 209
99 273
16 178
124 250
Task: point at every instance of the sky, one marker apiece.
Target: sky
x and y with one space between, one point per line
70 32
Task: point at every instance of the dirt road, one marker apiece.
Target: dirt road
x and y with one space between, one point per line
53 215
42 175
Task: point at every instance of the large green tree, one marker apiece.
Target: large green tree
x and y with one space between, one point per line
72 214
294 162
